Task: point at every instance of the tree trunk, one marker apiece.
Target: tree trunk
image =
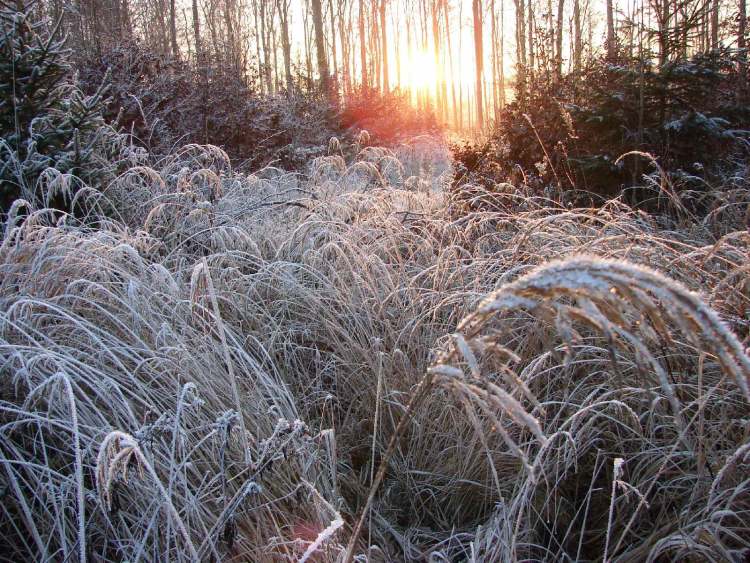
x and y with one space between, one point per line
308 48
384 46
611 41
173 29
436 51
495 102
375 46
258 41
283 8
231 39
126 26
502 54
320 46
549 53
211 25
742 46
197 32
664 19
450 65
530 30
520 46
363 45
274 50
559 38
578 43
443 74
266 49
345 46
334 53
397 39
715 24
478 57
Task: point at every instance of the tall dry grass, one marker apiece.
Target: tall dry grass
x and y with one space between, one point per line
211 365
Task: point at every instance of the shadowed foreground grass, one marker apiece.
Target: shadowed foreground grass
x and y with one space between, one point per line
216 372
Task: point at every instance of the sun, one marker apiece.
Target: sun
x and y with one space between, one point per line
421 72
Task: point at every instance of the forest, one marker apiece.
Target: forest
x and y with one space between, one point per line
374 280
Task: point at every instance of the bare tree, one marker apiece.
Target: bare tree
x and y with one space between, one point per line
173 29
450 63
478 57
530 29
334 53
375 46
578 32
266 43
282 7
664 17
320 45
495 58
501 61
742 46
715 24
363 45
197 31
520 45
436 41
308 43
344 25
384 45
232 48
559 38
611 41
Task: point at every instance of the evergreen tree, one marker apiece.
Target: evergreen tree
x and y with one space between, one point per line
45 120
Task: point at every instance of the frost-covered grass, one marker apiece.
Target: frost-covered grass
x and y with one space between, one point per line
211 365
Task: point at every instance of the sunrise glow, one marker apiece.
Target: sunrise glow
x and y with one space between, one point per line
421 72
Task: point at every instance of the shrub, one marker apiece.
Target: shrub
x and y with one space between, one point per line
573 132
167 103
388 117
46 121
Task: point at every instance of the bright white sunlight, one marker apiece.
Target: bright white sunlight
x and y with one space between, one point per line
420 73
343 281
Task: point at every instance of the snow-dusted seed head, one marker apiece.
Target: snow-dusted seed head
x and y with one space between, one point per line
334 146
363 138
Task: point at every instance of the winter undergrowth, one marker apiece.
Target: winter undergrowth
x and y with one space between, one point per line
203 364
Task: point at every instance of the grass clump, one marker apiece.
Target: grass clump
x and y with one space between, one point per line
211 364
